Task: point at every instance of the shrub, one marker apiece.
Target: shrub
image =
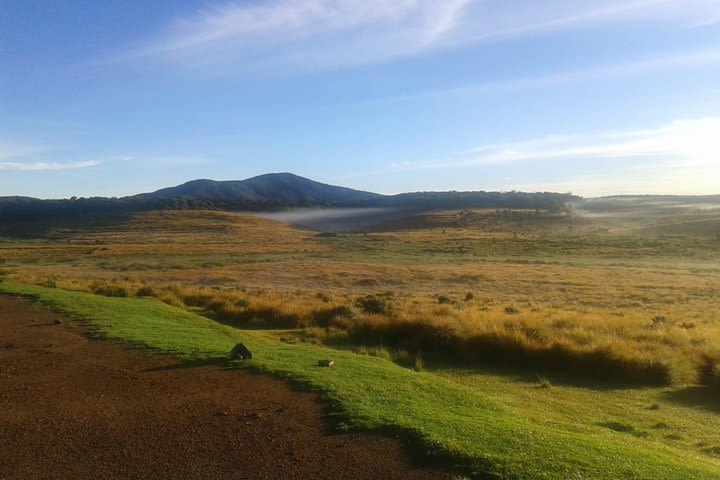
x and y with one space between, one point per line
512 310
709 372
338 316
375 304
444 300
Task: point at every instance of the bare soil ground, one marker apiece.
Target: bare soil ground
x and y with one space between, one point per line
74 408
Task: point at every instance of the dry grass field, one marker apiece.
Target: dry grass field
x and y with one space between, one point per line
602 297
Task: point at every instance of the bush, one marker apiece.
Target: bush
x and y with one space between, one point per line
444 300
375 304
709 372
338 316
512 310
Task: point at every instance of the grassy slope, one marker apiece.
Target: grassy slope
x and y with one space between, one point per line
373 394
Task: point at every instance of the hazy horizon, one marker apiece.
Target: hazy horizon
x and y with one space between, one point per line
590 97
640 194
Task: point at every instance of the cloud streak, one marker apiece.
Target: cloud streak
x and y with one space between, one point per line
45 166
12 155
325 34
692 142
679 157
312 33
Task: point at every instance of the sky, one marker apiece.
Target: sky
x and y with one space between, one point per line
593 97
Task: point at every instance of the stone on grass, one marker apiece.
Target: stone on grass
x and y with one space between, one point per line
239 352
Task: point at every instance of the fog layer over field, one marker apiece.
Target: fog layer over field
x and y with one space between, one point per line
333 219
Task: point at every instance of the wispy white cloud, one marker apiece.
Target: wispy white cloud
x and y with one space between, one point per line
333 33
691 142
21 158
680 157
45 166
314 33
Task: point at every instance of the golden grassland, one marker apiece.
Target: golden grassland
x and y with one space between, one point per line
595 297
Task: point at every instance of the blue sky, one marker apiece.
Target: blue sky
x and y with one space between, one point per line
595 97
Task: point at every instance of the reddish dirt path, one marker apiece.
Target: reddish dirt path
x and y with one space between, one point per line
71 408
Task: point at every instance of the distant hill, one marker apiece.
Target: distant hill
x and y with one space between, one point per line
274 191
264 191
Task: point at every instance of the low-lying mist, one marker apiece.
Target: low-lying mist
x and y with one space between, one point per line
339 220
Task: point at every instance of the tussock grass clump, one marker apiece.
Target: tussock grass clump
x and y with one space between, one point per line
419 365
380 352
544 382
400 356
145 291
110 289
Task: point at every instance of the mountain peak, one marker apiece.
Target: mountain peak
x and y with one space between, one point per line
268 190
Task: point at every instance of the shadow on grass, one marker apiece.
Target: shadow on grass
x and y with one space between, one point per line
535 376
707 398
601 365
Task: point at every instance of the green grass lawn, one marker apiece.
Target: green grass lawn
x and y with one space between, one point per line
490 425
